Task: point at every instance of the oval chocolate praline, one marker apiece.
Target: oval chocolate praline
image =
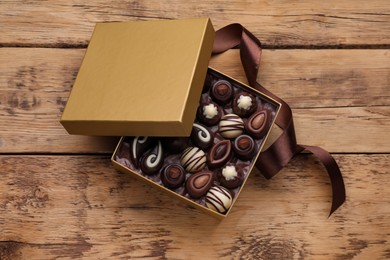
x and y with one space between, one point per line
219 199
219 154
193 159
202 136
199 183
152 161
231 176
231 126
173 176
222 92
244 104
244 147
209 113
257 124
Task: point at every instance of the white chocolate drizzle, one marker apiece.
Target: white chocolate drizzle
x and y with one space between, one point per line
244 102
219 199
210 111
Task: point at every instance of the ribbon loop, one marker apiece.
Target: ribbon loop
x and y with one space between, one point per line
272 160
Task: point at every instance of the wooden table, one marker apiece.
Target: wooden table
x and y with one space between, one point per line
60 196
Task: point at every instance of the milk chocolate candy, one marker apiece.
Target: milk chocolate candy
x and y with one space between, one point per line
244 147
152 161
219 199
175 144
173 175
138 146
202 136
244 104
193 159
231 176
199 183
231 126
222 92
257 124
219 154
209 113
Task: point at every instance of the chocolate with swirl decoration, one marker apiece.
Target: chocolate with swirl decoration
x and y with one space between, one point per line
202 136
231 126
219 199
138 146
193 159
152 161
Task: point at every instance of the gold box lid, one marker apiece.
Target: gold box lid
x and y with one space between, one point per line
140 78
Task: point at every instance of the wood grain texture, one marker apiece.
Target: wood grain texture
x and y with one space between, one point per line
277 23
79 206
339 92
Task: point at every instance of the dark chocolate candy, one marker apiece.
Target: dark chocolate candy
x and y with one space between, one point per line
152 161
222 92
244 147
244 104
257 124
231 126
209 113
219 154
231 176
199 183
138 146
208 83
175 144
173 175
202 136
193 159
219 199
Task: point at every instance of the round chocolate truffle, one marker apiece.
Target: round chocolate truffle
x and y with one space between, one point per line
202 136
244 147
175 144
173 175
219 199
207 83
257 124
152 161
231 176
244 104
219 154
209 113
199 183
222 92
193 159
231 126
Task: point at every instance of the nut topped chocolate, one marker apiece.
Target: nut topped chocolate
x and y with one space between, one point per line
222 92
244 104
173 175
209 113
244 147
258 124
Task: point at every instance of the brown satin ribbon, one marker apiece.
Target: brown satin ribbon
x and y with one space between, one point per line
272 160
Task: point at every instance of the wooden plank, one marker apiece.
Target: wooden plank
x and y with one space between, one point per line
79 206
307 23
322 86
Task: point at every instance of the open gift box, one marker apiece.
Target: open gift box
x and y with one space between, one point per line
187 129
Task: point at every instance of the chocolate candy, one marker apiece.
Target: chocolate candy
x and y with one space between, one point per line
222 92
153 160
244 147
173 176
231 126
257 124
209 113
138 146
219 154
244 104
202 136
175 144
193 159
219 199
207 83
231 176
199 183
